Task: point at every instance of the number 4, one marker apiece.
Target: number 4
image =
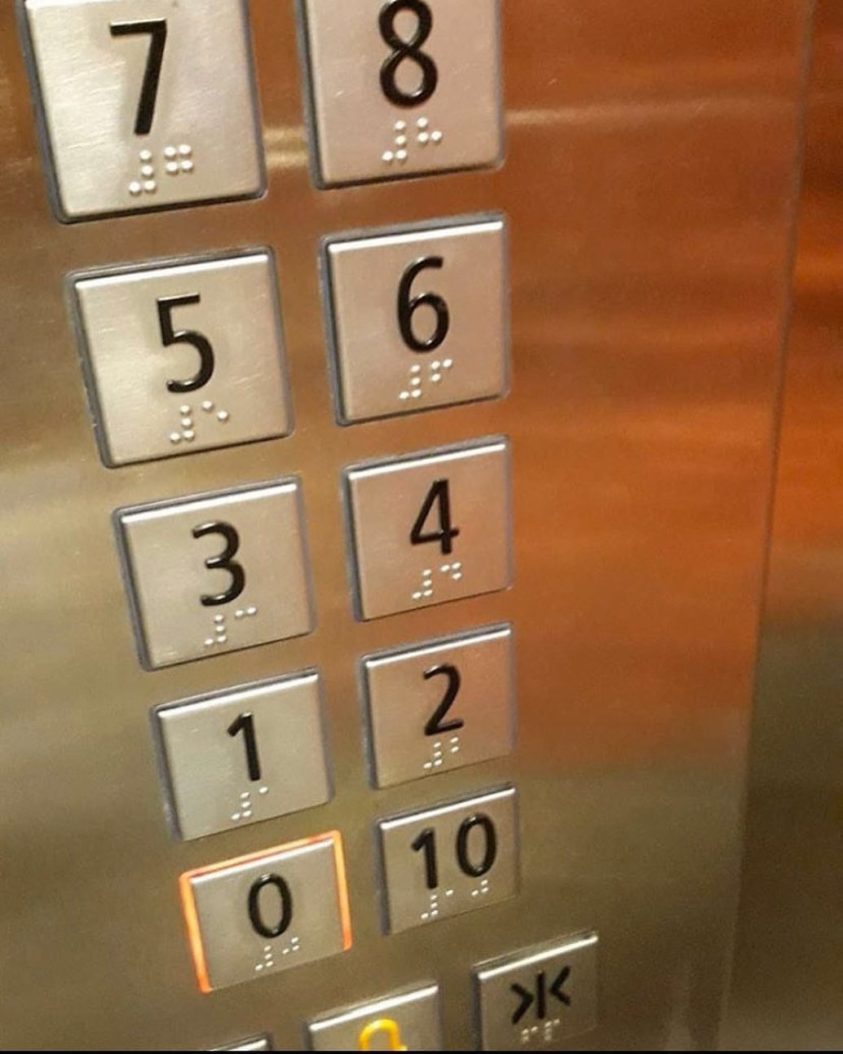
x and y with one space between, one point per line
439 495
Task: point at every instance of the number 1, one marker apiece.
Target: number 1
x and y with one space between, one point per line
245 723
157 30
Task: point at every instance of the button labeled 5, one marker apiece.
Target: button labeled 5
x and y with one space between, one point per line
242 756
183 357
437 300
431 528
440 706
146 103
216 573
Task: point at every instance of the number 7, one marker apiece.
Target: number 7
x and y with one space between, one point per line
157 30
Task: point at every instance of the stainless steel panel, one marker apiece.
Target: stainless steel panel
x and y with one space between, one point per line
201 141
451 283
431 528
212 327
242 756
258 1043
648 188
440 705
410 1020
403 88
539 998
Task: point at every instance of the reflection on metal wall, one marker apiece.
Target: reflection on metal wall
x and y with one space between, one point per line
786 988
651 152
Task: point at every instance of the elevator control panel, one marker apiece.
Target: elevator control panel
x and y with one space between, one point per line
153 104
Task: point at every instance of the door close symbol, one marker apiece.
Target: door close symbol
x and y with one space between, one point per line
384 1028
537 998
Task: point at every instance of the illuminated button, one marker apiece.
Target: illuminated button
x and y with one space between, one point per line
440 706
255 1043
437 301
405 87
431 528
146 103
217 572
239 757
184 357
409 1020
267 912
537 999
450 859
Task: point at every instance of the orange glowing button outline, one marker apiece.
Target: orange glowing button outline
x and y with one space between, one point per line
191 915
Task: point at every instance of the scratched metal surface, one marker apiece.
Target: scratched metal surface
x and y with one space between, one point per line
648 184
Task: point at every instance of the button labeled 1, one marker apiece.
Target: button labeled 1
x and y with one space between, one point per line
409 1020
440 706
146 103
239 757
537 999
267 912
437 300
404 87
216 573
431 528
184 357
450 859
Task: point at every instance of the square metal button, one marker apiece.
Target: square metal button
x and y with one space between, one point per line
241 756
216 572
185 356
405 87
267 912
146 103
408 1020
431 528
538 998
419 318
255 1043
449 859
440 706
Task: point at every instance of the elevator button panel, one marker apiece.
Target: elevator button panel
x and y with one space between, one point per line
419 318
216 572
539 998
403 88
145 103
184 356
440 705
267 912
431 527
238 757
407 1020
449 859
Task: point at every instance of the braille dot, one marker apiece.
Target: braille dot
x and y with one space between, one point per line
187 166
445 569
223 416
150 186
415 382
189 435
417 394
404 395
185 150
388 157
135 188
239 613
222 639
219 618
447 364
170 151
401 155
147 171
187 422
458 576
259 967
437 138
145 155
400 126
417 596
264 790
172 168
251 611
175 437
207 406
423 138
401 140
415 369
436 378
247 814
422 122
184 410
209 643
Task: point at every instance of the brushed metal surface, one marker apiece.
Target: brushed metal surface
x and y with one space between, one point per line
648 187
786 986
416 1014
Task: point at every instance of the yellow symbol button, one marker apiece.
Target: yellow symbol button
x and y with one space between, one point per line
385 1027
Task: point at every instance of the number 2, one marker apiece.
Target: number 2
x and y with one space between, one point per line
437 725
157 30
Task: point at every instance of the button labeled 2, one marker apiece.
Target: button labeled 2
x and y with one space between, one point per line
242 756
440 706
431 528
404 87
267 912
146 103
217 572
450 859
184 356
437 300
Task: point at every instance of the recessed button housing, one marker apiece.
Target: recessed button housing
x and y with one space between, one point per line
408 1020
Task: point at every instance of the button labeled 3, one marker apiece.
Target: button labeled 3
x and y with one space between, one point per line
440 706
409 1020
146 103
431 528
243 756
267 912
450 859
216 573
539 998
437 300
404 87
184 357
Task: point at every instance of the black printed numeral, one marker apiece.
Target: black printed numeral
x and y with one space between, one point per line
471 865
407 51
438 498
157 30
408 305
169 336
257 915
245 723
437 725
223 562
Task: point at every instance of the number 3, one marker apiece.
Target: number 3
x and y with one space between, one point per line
224 562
